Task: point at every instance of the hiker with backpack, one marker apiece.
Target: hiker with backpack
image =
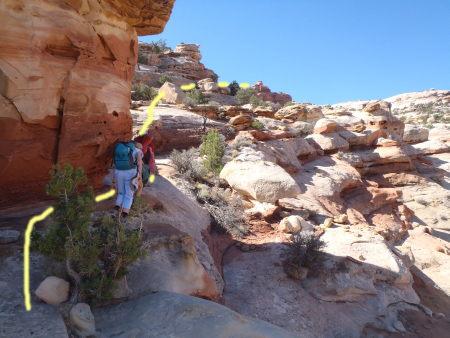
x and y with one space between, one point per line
128 161
145 171
149 151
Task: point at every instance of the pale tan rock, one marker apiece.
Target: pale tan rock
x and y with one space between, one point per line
173 93
341 219
324 126
292 224
328 222
243 120
53 290
82 319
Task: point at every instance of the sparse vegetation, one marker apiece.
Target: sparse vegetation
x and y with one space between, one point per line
214 103
188 102
275 106
304 250
187 164
141 91
423 202
300 132
225 208
213 148
256 101
163 79
94 256
289 103
258 125
160 46
197 96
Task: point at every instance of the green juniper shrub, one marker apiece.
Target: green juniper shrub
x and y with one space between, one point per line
94 256
258 125
246 96
234 87
197 96
141 91
425 118
163 79
289 103
213 148
142 58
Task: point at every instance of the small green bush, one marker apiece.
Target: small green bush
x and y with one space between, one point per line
425 118
213 148
142 58
160 46
234 87
289 103
403 118
94 257
243 96
258 125
188 102
143 92
305 249
197 96
163 79
256 101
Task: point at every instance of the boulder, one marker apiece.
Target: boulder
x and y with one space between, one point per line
263 181
414 134
166 314
301 112
243 120
9 236
328 142
208 85
174 94
291 224
82 320
231 111
268 112
53 290
324 126
210 111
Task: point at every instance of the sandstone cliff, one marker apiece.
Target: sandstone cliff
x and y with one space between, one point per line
66 68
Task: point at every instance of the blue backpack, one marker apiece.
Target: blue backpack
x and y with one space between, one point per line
123 156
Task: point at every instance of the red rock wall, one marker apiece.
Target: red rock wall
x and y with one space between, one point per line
66 68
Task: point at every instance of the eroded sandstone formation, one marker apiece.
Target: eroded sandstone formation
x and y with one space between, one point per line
266 95
66 68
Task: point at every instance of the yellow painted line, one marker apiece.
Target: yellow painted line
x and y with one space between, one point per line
223 84
244 85
150 113
105 196
188 86
26 255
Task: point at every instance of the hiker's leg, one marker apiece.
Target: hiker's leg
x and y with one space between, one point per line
128 198
120 180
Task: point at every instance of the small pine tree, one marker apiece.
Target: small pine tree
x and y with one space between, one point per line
143 92
197 96
213 148
94 257
215 77
234 87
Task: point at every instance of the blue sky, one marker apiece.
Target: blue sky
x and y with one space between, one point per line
321 51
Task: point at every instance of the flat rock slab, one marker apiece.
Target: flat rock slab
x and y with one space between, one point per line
9 236
166 314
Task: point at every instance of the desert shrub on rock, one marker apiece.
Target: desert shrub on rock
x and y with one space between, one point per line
275 106
258 125
187 164
197 96
289 103
94 256
246 96
225 208
304 250
141 91
215 77
213 148
163 79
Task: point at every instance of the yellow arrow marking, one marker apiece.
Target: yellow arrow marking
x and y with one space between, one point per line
223 84
244 85
188 86
105 196
150 112
26 255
